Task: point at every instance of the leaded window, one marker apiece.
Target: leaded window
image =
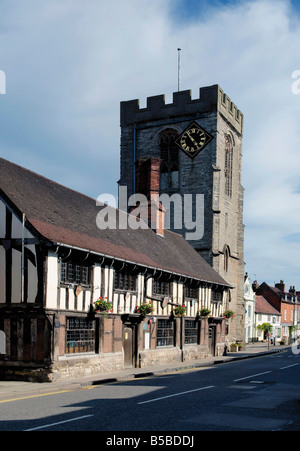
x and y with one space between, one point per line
161 288
124 281
72 273
217 296
191 292
191 331
80 335
165 333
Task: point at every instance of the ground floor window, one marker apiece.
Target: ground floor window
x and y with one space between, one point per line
165 333
191 332
80 335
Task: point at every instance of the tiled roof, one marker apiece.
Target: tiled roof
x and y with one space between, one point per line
264 307
67 217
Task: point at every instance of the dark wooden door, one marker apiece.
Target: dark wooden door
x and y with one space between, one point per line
212 339
128 347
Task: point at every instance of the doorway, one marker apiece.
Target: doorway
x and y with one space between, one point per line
128 346
212 339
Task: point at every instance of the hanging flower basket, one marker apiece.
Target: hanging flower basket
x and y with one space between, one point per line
204 312
103 306
146 308
228 314
179 311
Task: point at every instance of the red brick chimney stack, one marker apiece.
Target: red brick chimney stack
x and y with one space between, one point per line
280 286
147 183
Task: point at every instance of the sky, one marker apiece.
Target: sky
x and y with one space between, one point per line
68 65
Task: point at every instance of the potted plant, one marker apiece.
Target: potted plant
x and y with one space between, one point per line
179 311
204 312
103 306
234 347
146 308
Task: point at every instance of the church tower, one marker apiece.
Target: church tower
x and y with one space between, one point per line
199 143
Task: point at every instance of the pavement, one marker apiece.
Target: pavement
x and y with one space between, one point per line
12 390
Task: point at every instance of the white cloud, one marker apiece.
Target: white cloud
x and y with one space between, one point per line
69 64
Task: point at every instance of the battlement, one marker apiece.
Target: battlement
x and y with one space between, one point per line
211 99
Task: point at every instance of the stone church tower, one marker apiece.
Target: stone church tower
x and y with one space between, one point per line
199 143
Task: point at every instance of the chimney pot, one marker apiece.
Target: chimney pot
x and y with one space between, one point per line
280 286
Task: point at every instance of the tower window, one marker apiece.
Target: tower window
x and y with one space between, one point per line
226 258
169 150
228 165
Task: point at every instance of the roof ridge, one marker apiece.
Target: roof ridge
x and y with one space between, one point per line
53 182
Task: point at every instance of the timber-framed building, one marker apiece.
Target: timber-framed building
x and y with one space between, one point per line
54 265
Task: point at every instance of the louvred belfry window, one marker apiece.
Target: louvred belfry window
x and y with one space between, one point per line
169 150
228 165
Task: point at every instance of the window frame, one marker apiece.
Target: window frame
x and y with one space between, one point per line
191 338
165 336
228 166
191 292
169 151
74 274
125 282
161 288
80 339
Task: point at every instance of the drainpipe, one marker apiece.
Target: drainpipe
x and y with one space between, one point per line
134 158
23 259
181 339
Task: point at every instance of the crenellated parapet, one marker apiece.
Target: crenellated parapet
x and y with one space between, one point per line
211 99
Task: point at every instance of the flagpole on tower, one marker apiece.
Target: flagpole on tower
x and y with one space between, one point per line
179 69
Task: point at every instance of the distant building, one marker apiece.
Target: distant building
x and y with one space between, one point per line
265 313
249 295
287 303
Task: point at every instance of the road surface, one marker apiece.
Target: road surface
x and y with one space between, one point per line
260 394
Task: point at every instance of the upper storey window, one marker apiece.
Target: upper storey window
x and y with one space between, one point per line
72 273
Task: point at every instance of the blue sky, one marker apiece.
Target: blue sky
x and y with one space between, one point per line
69 63
194 10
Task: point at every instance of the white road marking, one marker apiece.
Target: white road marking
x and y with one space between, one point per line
249 377
176 394
290 366
55 424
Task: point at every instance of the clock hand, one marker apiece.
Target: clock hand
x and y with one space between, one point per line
192 139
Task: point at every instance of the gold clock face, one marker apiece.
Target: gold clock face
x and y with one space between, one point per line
193 139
